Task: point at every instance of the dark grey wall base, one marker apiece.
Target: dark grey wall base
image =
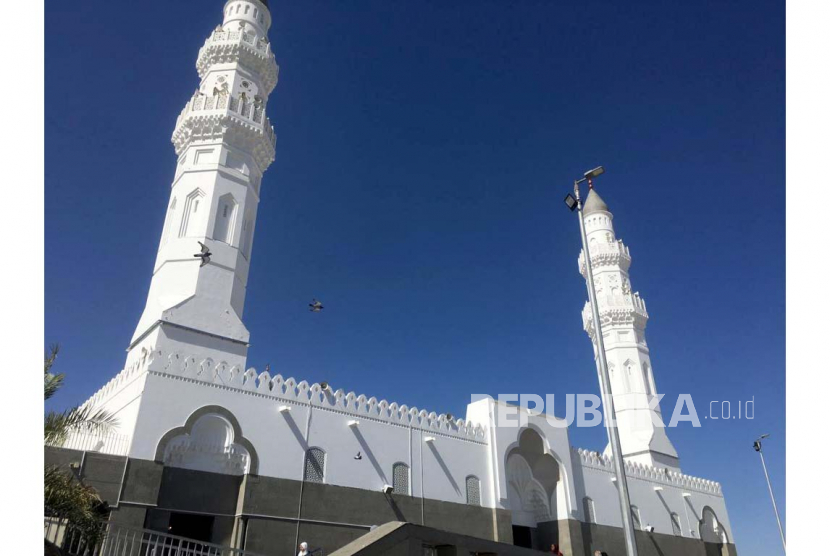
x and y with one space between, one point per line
611 540
267 514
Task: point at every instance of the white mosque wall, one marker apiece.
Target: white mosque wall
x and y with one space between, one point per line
282 418
439 452
655 493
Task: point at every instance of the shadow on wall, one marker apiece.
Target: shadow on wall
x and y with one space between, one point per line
444 467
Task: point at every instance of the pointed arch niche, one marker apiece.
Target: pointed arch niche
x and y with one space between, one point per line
536 486
225 221
193 214
211 440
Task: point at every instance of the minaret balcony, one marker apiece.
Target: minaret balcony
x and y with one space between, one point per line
606 254
224 47
236 120
617 310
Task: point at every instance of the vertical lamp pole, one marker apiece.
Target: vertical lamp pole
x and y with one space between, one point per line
757 446
574 203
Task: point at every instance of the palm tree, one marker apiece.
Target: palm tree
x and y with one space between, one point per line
65 494
57 426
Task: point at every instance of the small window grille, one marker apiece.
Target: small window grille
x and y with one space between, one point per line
473 491
315 465
675 524
635 517
588 506
400 478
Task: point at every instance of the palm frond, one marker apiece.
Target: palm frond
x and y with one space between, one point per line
67 497
51 382
57 426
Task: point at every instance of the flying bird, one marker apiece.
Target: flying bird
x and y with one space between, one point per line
315 306
204 255
358 456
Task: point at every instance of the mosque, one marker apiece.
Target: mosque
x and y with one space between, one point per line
209 449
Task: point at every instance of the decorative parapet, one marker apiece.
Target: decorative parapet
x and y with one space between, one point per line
232 118
223 375
224 47
606 254
616 310
120 380
663 476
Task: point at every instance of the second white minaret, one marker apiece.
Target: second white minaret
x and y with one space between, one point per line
224 142
624 317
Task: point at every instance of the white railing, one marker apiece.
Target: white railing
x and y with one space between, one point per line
257 44
224 104
621 301
606 253
119 540
108 443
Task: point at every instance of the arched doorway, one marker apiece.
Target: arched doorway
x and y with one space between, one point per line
713 533
533 483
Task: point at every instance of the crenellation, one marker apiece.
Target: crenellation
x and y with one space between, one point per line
596 460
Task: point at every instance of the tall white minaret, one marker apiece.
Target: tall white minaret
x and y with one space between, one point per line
624 318
224 143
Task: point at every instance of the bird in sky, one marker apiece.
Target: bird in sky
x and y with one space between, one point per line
358 456
315 306
204 254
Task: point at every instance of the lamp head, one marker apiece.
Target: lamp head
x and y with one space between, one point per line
598 171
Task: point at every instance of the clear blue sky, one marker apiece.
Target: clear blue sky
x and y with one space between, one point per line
423 152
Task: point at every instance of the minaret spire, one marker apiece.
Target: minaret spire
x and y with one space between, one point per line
624 319
224 143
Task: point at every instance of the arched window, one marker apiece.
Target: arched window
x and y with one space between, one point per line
247 236
473 491
224 224
635 517
675 524
315 466
627 375
647 380
400 478
191 216
588 507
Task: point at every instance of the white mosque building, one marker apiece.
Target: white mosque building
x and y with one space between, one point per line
210 449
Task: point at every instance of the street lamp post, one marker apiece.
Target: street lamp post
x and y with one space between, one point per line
574 203
757 446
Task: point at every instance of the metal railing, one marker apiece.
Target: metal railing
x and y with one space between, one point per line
120 540
106 443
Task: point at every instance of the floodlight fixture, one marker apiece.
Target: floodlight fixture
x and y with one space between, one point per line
571 201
